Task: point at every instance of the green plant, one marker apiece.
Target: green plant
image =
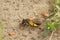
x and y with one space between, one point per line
51 24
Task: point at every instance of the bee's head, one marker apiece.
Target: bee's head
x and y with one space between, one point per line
25 22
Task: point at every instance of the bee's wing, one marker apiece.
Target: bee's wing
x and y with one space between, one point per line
36 21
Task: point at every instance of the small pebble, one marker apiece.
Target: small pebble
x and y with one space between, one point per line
11 33
45 14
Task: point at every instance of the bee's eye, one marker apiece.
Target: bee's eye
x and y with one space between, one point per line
23 21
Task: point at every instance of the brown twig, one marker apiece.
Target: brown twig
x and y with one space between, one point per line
50 38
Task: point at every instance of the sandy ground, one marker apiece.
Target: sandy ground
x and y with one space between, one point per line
13 11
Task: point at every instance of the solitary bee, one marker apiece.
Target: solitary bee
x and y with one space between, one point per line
34 22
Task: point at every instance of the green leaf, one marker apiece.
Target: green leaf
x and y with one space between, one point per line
45 32
57 1
57 24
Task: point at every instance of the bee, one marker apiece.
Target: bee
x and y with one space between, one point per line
33 22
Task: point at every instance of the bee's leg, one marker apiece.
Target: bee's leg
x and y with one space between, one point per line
40 28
